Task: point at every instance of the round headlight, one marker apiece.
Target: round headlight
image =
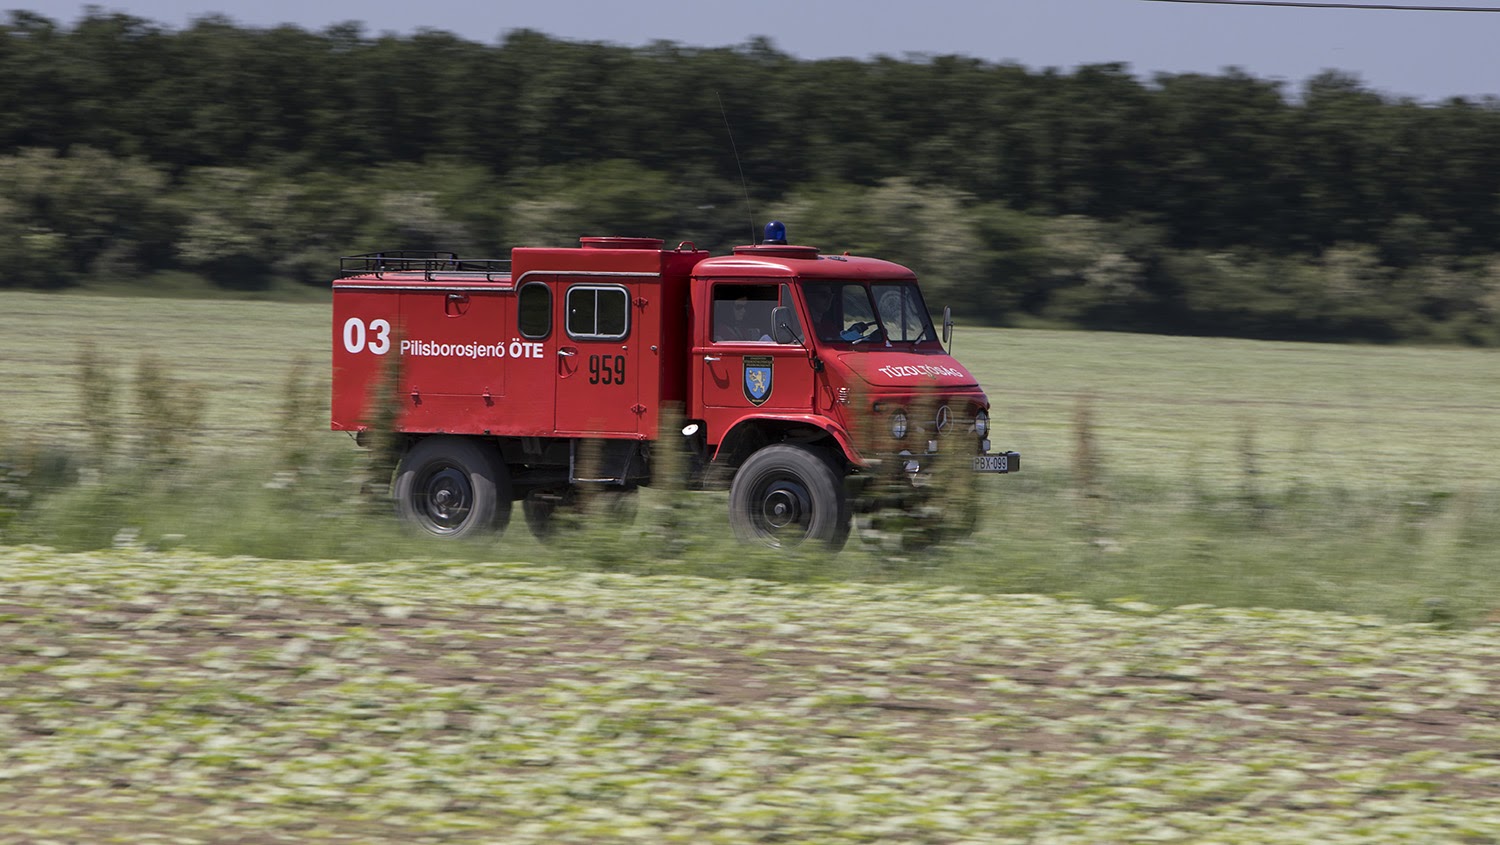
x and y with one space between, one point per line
898 425
982 423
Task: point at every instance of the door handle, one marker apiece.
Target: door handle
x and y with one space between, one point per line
708 358
567 353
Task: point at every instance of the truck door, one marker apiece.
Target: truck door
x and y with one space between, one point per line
742 368
597 366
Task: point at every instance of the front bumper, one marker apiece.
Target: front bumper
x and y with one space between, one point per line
920 467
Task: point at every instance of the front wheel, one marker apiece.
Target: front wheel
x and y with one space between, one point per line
453 487
786 495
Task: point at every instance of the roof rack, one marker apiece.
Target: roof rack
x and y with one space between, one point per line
428 264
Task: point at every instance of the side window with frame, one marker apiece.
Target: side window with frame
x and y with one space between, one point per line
742 313
598 312
534 310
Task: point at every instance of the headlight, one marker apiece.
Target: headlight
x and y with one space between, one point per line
898 425
982 423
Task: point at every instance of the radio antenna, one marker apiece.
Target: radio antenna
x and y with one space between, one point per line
746 185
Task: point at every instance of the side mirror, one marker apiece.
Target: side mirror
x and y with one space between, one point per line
781 322
947 326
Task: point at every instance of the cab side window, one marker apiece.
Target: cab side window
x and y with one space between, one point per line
742 313
598 312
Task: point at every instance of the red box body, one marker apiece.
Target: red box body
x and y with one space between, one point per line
465 364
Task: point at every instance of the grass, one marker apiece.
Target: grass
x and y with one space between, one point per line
1363 417
1360 416
237 352
1357 479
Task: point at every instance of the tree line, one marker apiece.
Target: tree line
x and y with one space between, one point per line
1219 204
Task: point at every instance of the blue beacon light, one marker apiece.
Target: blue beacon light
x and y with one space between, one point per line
775 232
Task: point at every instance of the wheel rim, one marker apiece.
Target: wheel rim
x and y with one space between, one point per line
444 498
782 510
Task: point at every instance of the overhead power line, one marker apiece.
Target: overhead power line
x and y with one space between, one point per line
1388 7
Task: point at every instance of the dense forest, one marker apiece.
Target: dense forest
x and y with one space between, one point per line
133 154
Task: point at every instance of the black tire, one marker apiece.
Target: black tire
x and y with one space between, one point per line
787 495
453 487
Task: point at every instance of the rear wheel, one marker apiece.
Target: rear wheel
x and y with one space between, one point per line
453 487
786 495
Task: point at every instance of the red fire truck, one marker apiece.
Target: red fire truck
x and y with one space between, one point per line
796 375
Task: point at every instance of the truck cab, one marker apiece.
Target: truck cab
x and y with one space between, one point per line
832 359
799 377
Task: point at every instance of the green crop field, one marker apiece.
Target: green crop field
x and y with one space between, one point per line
177 698
238 352
235 644
1355 478
1354 415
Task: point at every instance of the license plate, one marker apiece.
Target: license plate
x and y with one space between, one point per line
992 463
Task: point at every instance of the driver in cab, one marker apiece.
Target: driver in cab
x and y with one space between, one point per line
827 322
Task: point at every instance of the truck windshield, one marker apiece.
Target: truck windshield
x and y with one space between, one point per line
841 312
903 314
845 312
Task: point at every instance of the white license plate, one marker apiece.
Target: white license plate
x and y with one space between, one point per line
992 463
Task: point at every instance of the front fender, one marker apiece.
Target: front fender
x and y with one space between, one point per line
753 426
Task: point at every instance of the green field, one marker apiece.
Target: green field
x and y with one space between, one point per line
1354 478
178 698
238 352
1075 673
1351 415
1359 479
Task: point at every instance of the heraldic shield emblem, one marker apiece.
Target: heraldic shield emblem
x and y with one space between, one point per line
758 372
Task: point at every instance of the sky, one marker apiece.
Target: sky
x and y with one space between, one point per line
1429 56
